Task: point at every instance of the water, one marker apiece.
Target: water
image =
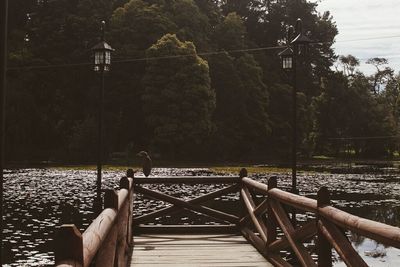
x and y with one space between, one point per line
36 198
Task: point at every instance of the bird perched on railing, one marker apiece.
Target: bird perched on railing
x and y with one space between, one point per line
146 161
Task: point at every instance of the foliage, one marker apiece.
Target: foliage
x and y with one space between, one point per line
228 104
242 106
177 101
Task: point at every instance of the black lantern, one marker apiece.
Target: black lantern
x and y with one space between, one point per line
102 54
301 41
291 58
287 59
102 62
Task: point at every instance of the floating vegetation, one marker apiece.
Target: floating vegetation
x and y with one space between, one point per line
36 199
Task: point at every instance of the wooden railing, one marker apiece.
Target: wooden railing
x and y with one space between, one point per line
107 240
262 211
263 219
228 221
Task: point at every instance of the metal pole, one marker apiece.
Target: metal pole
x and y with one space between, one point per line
98 200
294 125
3 86
100 139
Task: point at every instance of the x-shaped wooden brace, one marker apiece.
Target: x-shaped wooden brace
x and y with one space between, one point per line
192 205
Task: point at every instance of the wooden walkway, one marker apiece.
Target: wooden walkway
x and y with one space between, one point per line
262 212
195 250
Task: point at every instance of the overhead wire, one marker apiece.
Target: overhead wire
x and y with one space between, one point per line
149 58
370 38
189 55
365 137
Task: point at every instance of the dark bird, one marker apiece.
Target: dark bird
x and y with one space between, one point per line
146 161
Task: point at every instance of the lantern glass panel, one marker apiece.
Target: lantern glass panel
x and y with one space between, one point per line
99 57
303 49
96 58
287 62
108 57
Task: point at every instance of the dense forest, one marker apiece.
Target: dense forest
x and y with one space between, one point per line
190 80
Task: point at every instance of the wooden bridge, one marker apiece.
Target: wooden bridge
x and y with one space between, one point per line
260 233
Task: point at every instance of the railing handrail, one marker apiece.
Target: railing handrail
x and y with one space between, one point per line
188 180
386 234
96 233
106 237
383 233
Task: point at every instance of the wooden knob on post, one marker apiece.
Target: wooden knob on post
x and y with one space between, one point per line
69 245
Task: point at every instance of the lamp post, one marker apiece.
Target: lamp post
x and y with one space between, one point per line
3 84
102 62
290 57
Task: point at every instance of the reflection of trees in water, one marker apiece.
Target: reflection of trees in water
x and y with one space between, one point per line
355 238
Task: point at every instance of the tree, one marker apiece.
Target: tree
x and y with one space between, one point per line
192 25
231 33
383 74
349 64
178 101
347 110
256 125
241 116
137 25
391 97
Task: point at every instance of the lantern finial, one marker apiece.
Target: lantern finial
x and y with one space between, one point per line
299 26
103 27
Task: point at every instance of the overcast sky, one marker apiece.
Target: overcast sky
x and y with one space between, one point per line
364 19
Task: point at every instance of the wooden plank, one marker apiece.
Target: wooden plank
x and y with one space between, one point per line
277 260
343 246
174 209
188 180
253 239
299 202
195 250
185 229
256 241
302 254
301 234
68 246
167 239
96 233
182 250
259 187
199 208
383 233
324 248
258 223
272 224
261 208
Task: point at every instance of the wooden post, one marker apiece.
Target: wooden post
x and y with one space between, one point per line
111 199
125 183
122 223
3 86
130 173
69 246
107 253
271 221
324 249
243 173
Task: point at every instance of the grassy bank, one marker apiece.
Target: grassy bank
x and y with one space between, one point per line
317 164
